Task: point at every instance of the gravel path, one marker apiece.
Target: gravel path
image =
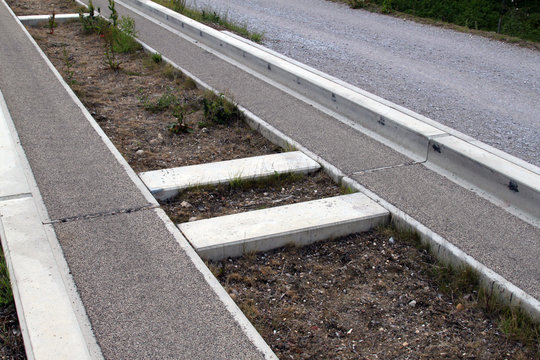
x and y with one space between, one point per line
483 88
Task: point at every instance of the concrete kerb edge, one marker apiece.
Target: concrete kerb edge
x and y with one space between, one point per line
246 326
60 266
418 127
397 107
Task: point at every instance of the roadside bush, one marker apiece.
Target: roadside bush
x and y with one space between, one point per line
519 18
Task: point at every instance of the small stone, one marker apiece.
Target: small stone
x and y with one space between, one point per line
154 141
460 307
194 218
185 204
405 344
412 303
204 130
139 152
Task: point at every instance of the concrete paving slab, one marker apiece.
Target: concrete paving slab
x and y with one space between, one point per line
143 294
166 183
499 240
12 179
56 134
299 224
49 324
318 131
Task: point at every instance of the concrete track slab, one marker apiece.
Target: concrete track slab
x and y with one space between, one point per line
316 130
499 240
55 134
166 183
299 224
143 295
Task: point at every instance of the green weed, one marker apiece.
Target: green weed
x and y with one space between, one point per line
345 190
6 293
386 7
356 4
179 126
69 64
114 14
219 110
157 58
52 22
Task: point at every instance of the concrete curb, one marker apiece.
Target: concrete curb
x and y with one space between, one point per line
51 315
509 182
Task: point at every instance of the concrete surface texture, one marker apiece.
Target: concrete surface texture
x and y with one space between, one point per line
497 239
299 224
486 89
353 153
166 183
145 296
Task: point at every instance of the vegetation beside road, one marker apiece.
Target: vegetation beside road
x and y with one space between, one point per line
210 17
506 18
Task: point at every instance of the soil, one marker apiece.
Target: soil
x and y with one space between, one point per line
142 136
361 297
208 202
40 7
358 297
11 341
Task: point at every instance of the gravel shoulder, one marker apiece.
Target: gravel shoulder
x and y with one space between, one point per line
486 89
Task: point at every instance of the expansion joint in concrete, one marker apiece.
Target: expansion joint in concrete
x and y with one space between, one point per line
369 171
15 197
103 214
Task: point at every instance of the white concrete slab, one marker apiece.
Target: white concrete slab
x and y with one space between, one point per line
34 20
166 183
48 322
299 224
12 179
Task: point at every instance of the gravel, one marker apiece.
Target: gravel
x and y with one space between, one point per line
484 88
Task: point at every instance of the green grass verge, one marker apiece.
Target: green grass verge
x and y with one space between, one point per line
212 17
517 26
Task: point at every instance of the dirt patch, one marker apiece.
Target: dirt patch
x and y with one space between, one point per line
360 297
11 342
119 101
208 202
40 7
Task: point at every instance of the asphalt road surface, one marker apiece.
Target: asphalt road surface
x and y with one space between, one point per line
486 89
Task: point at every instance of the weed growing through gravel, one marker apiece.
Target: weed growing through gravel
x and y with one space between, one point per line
69 64
118 35
219 110
156 57
52 22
